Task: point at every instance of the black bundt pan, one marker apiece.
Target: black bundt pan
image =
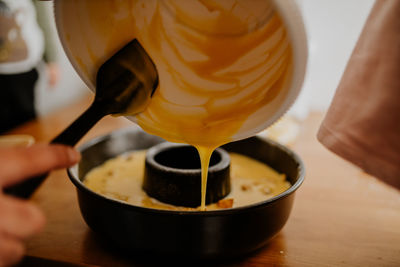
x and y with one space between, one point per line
212 234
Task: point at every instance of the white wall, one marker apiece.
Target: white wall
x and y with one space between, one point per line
333 26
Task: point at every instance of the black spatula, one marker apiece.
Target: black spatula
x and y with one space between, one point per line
124 84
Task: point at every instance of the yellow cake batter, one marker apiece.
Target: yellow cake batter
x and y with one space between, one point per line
121 178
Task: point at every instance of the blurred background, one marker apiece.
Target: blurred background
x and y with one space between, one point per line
332 27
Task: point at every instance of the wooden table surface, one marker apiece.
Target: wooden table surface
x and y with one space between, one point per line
341 216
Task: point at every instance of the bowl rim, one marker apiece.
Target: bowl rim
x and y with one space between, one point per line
73 176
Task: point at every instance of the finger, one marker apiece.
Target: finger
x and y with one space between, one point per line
11 250
17 164
19 218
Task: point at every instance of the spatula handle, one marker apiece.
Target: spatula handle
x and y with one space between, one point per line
26 188
70 136
73 133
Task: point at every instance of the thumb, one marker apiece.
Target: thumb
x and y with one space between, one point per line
17 164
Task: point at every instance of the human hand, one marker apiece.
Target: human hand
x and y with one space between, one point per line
53 72
20 219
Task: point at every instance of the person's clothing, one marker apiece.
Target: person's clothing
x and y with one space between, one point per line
17 97
22 47
21 39
363 122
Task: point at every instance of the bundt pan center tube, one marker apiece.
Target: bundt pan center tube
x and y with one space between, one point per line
173 175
